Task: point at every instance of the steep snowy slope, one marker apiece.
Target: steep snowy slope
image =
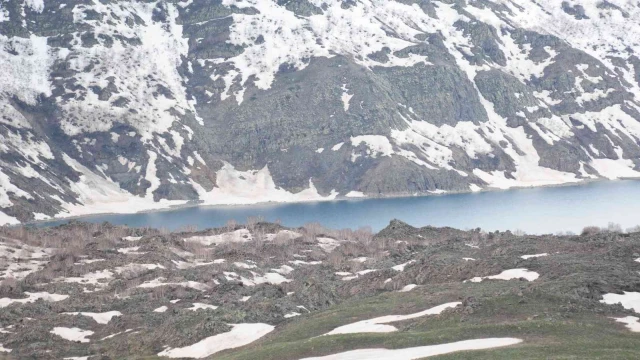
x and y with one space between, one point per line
129 105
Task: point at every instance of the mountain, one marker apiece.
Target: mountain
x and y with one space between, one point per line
121 106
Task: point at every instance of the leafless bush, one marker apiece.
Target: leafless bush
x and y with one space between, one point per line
10 286
363 235
337 259
187 229
519 232
614 228
634 229
283 240
198 249
252 221
230 225
591 230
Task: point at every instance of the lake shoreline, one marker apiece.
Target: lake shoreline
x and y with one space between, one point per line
267 204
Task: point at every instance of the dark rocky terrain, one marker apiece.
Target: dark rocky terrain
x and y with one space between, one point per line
153 103
146 293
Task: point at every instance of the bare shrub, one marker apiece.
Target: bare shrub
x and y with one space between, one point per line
614 228
198 249
591 230
231 225
363 235
337 259
634 229
187 229
519 232
282 239
10 286
252 221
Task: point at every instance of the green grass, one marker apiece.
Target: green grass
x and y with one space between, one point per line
547 331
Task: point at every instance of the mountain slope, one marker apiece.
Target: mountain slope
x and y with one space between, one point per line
124 106
261 291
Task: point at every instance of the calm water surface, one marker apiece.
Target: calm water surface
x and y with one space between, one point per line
538 210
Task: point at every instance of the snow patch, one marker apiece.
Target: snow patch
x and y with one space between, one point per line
509 275
421 351
378 325
240 335
72 334
628 300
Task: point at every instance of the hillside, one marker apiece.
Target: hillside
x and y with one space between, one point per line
262 291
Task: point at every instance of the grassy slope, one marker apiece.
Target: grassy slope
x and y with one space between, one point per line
549 330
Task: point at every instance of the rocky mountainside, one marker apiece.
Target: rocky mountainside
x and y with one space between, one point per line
261 291
120 106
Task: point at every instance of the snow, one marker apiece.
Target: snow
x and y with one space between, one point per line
241 235
631 322
116 334
628 300
99 195
252 186
4 349
274 278
6 219
96 278
31 297
198 306
100 318
346 97
242 265
337 146
468 259
137 71
137 267
72 334
327 244
420 351
378 325
284 269
240 335
355 194
20 270
533 256
160 282
301 262
291 314
188 265
35 5
283 235
161 309
25 75
408 288
509 275
377 145
402 266
132 238
291 39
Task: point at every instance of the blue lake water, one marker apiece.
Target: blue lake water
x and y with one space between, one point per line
535 210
